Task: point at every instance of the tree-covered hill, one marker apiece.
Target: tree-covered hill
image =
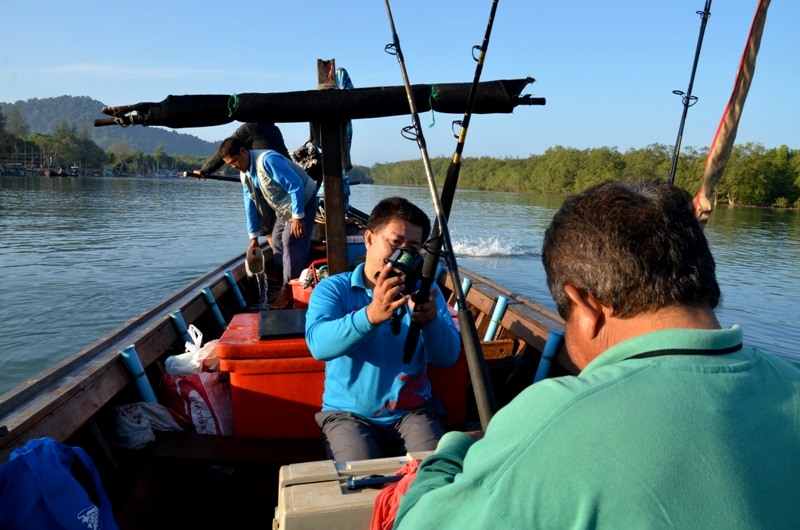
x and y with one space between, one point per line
43 115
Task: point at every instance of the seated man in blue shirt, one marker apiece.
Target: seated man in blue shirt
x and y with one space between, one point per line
374 404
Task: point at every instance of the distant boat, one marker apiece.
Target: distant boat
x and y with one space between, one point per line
58 172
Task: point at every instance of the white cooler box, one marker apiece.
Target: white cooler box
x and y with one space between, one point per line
315 494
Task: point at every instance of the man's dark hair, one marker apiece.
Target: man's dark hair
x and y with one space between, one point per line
391 208
635 246
231 147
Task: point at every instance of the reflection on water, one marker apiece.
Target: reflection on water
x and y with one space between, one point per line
80 256
757 251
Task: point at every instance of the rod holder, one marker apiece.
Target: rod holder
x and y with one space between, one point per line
180 325
134 366
212 304
235 288
548 355
497 314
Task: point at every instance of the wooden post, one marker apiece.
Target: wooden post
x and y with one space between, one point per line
331 137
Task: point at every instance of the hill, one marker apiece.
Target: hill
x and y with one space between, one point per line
43 115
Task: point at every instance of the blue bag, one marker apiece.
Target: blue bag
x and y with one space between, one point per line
38 490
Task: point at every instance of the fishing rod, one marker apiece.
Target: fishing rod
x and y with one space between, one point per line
449 189
478 372
687 98
453 170
186 174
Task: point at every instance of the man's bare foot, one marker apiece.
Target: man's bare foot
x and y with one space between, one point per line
285 300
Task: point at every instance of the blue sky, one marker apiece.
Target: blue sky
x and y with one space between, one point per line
606 68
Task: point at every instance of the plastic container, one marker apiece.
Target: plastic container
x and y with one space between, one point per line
276 398
241 341
315 495
276 386
301 294
450 385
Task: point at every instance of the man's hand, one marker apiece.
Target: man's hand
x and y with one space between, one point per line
386 296
298 228
424 312
475 435
253 242
198 174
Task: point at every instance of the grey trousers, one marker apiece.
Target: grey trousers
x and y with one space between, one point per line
351 437
288 251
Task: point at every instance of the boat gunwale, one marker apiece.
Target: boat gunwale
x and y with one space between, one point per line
83 383
25 407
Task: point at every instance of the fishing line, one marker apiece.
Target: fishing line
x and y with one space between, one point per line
440 236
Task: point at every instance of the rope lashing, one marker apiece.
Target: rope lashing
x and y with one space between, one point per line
434 95
121 120
233 104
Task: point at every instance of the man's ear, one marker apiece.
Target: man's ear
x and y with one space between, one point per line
369 235
587 311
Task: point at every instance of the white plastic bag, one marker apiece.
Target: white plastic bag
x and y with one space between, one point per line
136 423
196 359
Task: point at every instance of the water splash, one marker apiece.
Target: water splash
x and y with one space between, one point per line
492 247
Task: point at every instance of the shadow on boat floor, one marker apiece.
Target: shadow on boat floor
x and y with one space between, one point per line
186 480
186 495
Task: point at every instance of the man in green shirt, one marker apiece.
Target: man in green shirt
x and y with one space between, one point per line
672 422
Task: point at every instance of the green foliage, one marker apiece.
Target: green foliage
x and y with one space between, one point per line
781 202
755 175
360 175
17 125
60 128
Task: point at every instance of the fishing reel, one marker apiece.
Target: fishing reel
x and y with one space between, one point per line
406 261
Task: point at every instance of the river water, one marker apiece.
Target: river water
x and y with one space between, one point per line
81 256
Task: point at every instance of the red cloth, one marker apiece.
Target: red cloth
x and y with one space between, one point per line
388 499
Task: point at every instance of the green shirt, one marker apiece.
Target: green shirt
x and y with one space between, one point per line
672 441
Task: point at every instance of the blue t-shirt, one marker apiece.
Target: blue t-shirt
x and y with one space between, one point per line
364 369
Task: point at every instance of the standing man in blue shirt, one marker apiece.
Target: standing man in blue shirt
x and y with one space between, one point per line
374 404
271 180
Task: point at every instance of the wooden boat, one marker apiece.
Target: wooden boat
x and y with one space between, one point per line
227 479
203 480
274 395
60 172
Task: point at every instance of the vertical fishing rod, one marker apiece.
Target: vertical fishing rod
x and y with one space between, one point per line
687 98
449 189
479 374
453 170
466 319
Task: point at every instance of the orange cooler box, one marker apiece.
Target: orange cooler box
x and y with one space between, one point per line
276 386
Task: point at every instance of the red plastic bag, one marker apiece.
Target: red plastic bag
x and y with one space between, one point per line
203 399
